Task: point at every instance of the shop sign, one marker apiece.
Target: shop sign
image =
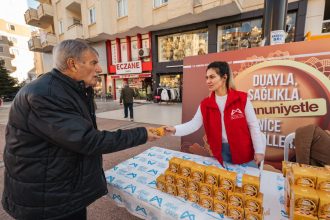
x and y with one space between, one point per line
277 37
129 67
127 76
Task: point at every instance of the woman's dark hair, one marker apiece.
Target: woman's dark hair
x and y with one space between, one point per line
222 69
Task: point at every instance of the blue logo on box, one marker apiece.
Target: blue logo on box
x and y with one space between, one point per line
130 186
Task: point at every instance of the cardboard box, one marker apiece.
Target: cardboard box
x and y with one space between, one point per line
304 176
286 165
193 196
303 200
228 180
185 168
219 206
171 189
254 204
161 183
197 172
252 215
301 216
250 185
324 205
182 192
212 175
236 198
205 189
206 202
181 181
169 177
193 186
323 180
235 213
174 164
220 194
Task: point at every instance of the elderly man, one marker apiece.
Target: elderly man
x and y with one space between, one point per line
53 152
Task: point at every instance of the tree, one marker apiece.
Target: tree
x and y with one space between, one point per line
8 84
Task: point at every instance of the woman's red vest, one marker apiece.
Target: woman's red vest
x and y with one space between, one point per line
238 133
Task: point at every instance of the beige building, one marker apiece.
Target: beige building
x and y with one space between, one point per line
19 60
146 30
5 56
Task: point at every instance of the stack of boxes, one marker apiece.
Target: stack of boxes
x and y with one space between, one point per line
213 188
306 191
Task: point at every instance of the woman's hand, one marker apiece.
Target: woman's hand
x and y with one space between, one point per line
169 130
258 158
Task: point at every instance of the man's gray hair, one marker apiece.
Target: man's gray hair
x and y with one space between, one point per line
69 49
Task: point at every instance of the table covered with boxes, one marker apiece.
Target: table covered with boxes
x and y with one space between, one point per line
165 184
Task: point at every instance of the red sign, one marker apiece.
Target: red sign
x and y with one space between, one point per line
129 67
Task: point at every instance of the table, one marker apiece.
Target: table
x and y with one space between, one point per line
132 184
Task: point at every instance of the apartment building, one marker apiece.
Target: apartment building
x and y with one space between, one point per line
19 60
144 41
5 56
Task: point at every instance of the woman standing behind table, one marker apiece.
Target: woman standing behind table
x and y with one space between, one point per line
229 120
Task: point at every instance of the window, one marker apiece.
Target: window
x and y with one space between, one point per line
326 15
11 27
60 27
92 16
1 49
158 3
326 18
247 34
177 46
122 8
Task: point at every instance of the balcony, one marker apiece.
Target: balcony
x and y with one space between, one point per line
45 1
75 31
31 17
35 44
48 41
73 5
45 15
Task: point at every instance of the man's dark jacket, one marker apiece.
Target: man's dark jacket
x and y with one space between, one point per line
53 152
127 95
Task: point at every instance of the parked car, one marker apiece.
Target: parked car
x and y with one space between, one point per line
9 97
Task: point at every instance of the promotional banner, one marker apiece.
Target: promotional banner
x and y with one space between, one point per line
288 84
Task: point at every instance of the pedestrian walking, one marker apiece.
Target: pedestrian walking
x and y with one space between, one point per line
126 97
53 151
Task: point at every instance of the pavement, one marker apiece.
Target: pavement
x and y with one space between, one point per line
110 117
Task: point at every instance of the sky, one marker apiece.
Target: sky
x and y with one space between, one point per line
13 10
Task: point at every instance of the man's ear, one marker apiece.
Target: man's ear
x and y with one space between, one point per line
71 65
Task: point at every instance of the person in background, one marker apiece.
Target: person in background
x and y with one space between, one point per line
149 93
126 97
53 151
229 120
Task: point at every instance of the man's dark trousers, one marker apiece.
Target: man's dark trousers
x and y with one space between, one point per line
130 107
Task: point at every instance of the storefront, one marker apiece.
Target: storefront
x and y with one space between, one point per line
169 47
129 59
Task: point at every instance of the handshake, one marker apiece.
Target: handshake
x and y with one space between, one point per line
156 133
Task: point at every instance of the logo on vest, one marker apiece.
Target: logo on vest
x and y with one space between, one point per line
236 114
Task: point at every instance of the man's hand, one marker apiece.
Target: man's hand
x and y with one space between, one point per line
258 158
169 130
151 135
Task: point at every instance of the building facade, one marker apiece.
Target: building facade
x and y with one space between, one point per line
144 41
